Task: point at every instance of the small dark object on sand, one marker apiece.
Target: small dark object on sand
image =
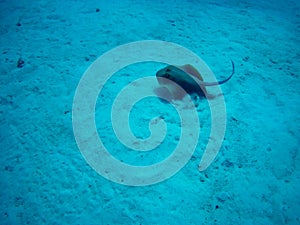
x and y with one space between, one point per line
20 63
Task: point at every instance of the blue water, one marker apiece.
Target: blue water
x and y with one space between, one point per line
46 47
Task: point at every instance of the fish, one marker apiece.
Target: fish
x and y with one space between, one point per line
188 78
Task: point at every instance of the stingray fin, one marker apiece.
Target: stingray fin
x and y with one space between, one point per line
169 91
191 70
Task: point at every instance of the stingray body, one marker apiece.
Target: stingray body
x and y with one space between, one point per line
188 78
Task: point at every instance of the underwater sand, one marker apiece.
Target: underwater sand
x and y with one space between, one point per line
254 178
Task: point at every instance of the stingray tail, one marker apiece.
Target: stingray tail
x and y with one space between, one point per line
222 81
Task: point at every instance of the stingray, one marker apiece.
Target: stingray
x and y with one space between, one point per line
188 78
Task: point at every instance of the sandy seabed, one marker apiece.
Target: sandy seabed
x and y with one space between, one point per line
46 46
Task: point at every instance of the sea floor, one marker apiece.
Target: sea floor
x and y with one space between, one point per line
46 46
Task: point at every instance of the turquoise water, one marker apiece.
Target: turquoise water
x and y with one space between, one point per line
46 47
